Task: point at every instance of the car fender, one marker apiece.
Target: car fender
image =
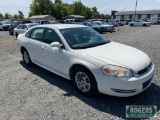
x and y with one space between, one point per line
94 66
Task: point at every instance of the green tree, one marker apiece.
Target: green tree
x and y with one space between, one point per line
58 1
95 13
88 13
21 15
41 7
7 16
15 16
58 9
78 8
1 16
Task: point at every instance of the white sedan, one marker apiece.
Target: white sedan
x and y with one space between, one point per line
22 28
93 63
109 28
139 23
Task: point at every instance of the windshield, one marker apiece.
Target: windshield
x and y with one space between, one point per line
29 26
6 22
81 38
104 23
17 23
94 24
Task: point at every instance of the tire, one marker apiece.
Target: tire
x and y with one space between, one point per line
16 35
11 33
84 81
26 57
120 24
144 25
131 25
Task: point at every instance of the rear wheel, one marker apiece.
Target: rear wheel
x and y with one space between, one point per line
84 81
144 25
16 35
26 57
131 25
10 32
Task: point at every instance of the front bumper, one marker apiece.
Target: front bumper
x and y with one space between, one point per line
124 87
100 29
5 27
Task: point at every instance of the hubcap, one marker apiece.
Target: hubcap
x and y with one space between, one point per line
82 81
26 57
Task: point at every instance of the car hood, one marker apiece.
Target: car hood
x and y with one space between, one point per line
107 25
120 54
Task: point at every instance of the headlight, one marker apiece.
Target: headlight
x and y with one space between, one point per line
117 71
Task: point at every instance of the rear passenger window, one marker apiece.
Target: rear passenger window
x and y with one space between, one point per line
25 27
28 34
51 36
20 27
37 34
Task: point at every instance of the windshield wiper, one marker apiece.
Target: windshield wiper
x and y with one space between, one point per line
89 46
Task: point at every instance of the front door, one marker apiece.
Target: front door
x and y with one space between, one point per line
54 57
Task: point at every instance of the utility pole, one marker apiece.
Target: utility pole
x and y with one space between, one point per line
135 10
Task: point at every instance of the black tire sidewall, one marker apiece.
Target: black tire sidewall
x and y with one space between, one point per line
144 25
10 32
16 35
93 88
30 62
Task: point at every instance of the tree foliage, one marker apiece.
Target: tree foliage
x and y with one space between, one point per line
41 7
59 9
8 16
1 16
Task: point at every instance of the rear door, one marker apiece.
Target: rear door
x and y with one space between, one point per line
34 45
23 29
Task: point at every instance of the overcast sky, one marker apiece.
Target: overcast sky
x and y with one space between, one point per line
103 6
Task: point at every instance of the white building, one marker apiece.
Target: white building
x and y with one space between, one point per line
125 15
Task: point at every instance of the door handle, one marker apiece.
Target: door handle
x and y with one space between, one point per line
27 42
44 48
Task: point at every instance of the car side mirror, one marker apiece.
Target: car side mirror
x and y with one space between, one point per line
56 44
26 28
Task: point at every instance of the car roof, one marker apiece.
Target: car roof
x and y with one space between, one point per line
63 26
98 21
30 24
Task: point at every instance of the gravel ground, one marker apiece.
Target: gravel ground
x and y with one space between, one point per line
32 93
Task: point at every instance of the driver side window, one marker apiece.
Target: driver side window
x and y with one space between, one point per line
51 36
20 27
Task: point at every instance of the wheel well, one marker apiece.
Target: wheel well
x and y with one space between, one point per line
73 67
22 49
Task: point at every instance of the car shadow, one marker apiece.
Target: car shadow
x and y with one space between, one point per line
104 103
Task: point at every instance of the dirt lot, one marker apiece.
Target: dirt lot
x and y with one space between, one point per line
34 93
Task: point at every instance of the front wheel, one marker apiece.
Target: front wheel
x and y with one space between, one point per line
26 58
84 81
10 32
